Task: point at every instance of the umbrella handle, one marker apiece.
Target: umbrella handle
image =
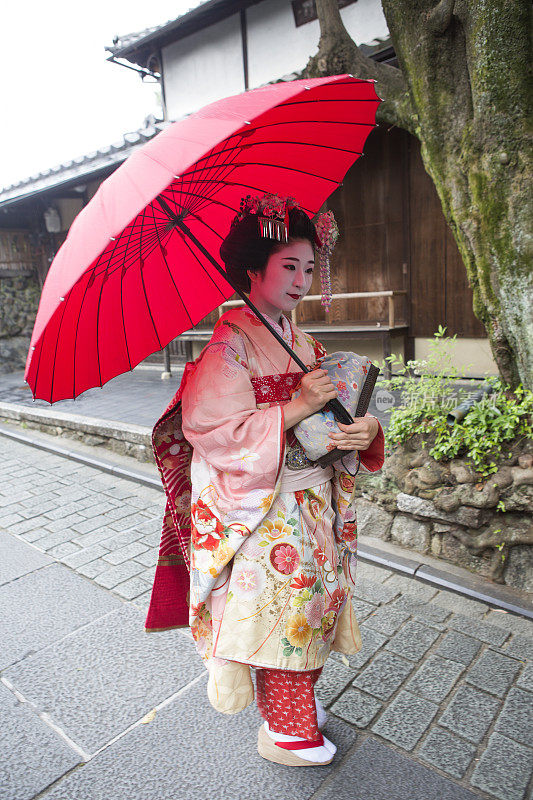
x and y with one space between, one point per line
335 406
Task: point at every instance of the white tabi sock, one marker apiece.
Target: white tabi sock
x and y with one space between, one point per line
321 714
317 755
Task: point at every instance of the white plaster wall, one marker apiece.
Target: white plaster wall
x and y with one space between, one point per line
474 352
203 67
277 47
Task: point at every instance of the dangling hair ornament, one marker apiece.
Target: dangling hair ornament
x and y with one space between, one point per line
327 234
272 213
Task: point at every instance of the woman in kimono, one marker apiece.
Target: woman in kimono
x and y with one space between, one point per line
271 550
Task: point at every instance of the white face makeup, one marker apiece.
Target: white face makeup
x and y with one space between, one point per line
287 278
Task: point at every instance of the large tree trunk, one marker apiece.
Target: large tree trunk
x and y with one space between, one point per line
462 89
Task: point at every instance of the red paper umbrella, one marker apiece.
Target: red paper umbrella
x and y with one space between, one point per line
139 265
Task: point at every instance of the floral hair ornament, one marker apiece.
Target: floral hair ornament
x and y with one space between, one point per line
272 213
327 234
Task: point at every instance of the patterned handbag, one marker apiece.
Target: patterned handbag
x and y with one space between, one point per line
354 377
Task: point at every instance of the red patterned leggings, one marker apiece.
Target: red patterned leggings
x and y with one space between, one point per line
286 699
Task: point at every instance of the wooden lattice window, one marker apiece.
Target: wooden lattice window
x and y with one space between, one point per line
16 253
305 10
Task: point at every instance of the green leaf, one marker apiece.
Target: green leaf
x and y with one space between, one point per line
298 651
288 651
292 522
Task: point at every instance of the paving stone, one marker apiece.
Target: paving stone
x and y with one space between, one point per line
334 678
470 713
66 509
435 678
148 575
458 647
134 768
460 604
520 647
50 540
383 675
405 719
93 568
122 511
425 612
516 717
84 556
7 520
95 537
375 593
33 755
119 540
35 510
19 558
110 578
372 572
124 524
125 553
98 509
22 527
413 640
150 526
152 539
372 642
63 524
65 549
356 707
526 678
386 620
493 672
447 752
511 622
132 588
149 557
412 587
504 769
105 676
34 535
34 616
489 634
89 525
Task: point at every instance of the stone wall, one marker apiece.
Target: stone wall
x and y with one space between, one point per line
19 300
447 510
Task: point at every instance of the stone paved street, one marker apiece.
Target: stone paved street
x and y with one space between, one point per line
437 704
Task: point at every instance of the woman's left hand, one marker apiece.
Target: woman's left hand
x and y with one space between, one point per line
357 436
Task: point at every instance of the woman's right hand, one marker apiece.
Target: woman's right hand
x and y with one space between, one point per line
316 389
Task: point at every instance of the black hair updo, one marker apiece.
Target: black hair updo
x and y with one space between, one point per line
245 249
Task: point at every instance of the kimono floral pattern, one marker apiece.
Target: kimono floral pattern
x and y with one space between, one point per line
271 570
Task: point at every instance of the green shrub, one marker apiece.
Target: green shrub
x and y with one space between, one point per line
428 395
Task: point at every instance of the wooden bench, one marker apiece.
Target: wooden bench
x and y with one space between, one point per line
321 330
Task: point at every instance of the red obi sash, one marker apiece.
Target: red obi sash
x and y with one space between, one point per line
275 388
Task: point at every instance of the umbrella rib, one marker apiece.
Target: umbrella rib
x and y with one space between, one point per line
104 279
56 346
77 328
209 168
123 272
142 278
188 244
245 145
330 100
311 122
170 273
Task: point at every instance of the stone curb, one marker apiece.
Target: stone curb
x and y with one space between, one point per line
473 587
123 431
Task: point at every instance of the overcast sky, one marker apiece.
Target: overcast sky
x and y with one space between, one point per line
60 97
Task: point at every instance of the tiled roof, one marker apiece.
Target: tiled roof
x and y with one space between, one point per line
122 45
83 166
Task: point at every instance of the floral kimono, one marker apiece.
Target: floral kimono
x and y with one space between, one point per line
268 554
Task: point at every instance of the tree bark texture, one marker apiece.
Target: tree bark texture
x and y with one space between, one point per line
463 90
